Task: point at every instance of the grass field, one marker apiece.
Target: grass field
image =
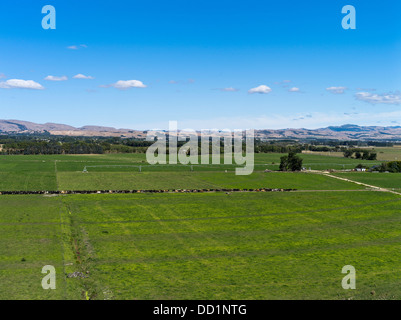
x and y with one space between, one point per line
242 246
388 153
202 246
383 153
201 180
30 237
277 245
121 171
383 180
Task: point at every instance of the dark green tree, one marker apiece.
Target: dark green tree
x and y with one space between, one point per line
365 155
348 153
291 162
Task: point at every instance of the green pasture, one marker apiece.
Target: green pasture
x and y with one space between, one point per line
379 179
240 246
201 246
198 180
31 237
273 245
131 171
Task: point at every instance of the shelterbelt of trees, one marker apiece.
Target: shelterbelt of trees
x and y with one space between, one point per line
29 144
360 154
40 145
391 166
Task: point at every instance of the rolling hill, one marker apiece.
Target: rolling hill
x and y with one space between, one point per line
344 132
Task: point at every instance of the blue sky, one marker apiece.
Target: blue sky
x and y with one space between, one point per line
206 64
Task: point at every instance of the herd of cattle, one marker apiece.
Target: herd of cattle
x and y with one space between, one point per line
143 191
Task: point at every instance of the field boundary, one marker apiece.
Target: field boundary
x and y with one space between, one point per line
49 193
363 184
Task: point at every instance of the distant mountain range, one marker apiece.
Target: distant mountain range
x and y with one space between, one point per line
20 127
344 132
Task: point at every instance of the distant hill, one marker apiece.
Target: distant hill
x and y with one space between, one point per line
18 126
344 132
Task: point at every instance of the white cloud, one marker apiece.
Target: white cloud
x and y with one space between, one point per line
365 89
54 78
279 121
74 47
230 89
385 98
20 84
81 76
336 90
260 89
126 84
294 89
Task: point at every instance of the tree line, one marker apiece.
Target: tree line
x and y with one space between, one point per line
362 154
42 145
391 166
48 144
